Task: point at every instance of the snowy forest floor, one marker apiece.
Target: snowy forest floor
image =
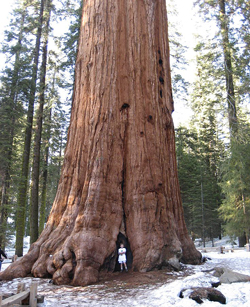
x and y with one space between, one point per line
151 289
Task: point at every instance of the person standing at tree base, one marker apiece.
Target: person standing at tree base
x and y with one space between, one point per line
122 257
2 254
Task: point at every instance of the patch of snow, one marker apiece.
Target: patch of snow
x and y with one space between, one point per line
238 261
226 241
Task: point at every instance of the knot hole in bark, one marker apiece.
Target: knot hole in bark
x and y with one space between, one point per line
125 106
160 71
161 80
150 119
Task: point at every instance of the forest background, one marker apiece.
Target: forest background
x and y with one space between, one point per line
210 60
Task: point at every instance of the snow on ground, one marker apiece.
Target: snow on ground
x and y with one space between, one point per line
237 294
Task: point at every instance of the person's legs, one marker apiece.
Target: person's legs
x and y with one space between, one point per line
0 265
125 264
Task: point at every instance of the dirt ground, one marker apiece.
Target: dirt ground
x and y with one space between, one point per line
134 279
113 286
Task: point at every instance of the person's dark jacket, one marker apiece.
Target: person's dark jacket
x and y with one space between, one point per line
2 253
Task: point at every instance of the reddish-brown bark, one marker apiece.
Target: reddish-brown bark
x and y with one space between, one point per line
119 175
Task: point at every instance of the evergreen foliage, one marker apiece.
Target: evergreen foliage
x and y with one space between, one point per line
16 93
235 209
223 69
13 95
198 182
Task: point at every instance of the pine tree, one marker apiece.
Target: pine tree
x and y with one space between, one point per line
198 182
34 204
22 191
13 89
28 10
235 209
46 139
231 18
57 119
203 150
219 12
228 68
53 142
189 178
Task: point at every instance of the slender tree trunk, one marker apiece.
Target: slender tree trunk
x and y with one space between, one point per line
119 178
4 207
59 166
34 204
7 178
22 190
203 214
42 211
232 113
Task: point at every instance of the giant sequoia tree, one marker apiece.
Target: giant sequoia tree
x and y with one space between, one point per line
119 178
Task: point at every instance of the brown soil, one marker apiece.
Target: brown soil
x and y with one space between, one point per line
117 285
134 279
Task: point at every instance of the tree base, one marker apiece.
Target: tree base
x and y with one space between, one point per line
81 272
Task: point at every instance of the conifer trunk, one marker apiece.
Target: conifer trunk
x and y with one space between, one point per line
5 203
34 204
5 184
42 211
232 113
119 178
4 206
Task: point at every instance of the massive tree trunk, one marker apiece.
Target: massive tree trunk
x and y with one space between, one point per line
119 178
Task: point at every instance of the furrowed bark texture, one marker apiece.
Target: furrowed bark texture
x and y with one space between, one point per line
119 174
